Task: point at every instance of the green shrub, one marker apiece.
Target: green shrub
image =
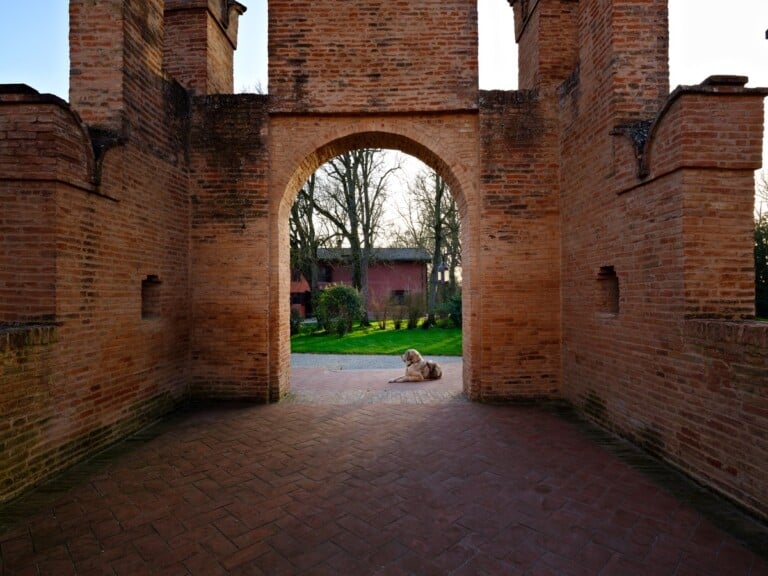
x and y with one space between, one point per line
453 307
399 313
379 306
341 326
338 308
415 308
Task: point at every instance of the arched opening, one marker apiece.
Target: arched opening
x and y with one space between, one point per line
455 178
385 227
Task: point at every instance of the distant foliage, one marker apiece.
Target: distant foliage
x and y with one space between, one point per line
761 266
415 308
379 308
296 321
338 308
451 310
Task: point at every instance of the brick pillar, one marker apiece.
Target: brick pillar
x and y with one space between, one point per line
115 52
546 37
200 43
640 58
96 46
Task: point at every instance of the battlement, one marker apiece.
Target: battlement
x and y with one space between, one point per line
200 41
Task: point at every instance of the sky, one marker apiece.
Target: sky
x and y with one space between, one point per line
706 37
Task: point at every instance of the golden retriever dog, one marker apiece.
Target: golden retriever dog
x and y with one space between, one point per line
417 369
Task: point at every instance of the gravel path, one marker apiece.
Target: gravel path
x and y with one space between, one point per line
366 379
358 361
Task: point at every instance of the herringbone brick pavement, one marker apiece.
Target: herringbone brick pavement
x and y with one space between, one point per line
358 487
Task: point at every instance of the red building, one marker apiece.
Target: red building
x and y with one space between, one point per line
392 273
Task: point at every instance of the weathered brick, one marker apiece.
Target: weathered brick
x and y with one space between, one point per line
606 225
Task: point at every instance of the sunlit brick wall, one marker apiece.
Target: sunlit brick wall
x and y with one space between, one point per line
337 55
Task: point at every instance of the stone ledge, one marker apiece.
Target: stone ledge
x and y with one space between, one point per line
18 335
752 333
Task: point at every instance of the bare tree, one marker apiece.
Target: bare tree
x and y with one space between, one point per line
431 221
304 236
352 200
256 88
452 243
437 249
761 194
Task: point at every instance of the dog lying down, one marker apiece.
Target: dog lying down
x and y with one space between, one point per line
417 369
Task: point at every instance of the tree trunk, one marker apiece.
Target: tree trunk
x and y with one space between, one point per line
436 254
365 259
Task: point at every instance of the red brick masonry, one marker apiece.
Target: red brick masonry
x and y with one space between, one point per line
144 253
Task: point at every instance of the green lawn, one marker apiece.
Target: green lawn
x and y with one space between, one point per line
373 340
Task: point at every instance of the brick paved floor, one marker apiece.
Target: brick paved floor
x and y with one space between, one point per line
349 485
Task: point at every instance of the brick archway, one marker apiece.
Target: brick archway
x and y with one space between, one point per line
446 142
147 219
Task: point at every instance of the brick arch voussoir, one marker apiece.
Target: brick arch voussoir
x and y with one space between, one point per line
372 139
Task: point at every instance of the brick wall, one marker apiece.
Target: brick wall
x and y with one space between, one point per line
78 260
26 369
111 209
546 33
96 58
639 60
520 248
723 441
186 47
372 56
605 228
657 235
40 144
230 248
27 289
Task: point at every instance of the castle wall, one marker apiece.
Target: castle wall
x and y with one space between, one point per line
658 285
200 37
82 364
547 37
606 225
28 289
230 248
96 339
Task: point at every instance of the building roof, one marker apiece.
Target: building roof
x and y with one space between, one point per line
378 254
